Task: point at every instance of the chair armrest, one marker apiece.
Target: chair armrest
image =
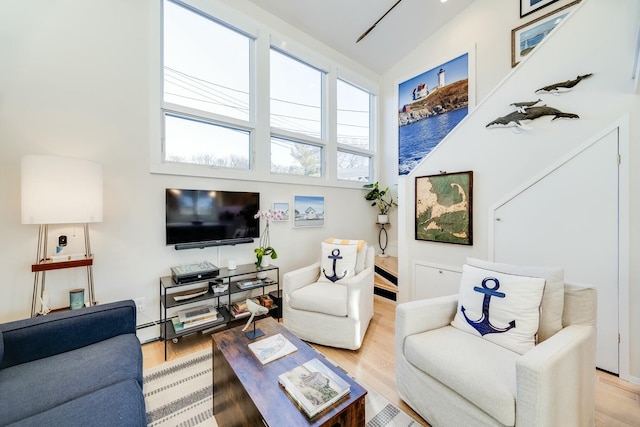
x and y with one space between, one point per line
362 280
44 336
359 293
300 277
423 315
556 380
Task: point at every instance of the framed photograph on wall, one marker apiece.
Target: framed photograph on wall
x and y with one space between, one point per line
444 208
526 37
283 207
430 105
529 6
308 211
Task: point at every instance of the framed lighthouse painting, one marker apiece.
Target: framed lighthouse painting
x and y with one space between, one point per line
430 105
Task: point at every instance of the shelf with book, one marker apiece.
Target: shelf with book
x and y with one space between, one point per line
219 293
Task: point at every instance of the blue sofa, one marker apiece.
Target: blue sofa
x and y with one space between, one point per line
73 368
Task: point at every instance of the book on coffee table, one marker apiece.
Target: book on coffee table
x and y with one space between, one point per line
313 386
272 348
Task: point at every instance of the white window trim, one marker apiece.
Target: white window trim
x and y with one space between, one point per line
259 125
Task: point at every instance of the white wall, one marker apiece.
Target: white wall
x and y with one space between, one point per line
484 31
600 39
75 82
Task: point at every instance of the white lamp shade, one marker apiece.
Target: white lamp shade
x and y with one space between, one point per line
60 190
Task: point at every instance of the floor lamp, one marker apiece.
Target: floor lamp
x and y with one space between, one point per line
59 190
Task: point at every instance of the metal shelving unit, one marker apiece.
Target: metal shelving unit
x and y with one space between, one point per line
222 300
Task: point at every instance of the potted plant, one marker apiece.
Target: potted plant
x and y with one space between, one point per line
383 199
265 251
263 254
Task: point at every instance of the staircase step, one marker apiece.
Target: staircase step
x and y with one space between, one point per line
386 277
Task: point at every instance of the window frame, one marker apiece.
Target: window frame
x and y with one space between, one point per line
207 117
371 151
263 39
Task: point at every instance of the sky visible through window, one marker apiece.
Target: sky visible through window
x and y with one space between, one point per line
201 73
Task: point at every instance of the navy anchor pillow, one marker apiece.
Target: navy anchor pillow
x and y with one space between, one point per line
337 262
501 308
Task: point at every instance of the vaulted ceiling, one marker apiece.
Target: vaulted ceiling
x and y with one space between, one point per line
339 23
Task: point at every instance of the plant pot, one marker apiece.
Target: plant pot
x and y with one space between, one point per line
265 261
383 219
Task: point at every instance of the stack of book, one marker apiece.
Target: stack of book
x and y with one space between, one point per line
239 309
196 316
313 386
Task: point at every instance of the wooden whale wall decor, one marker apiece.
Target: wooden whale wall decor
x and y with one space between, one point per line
557 88
515 119
530 110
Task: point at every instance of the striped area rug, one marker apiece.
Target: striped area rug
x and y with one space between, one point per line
179 393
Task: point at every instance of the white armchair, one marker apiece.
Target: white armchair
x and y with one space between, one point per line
454 378
334 314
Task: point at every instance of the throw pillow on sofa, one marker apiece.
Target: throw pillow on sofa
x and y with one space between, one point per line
501 308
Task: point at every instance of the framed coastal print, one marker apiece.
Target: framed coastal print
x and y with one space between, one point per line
283 207
526 37
444 208
530 6
308 211
430 105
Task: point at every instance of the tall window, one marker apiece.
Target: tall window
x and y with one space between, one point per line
206 90
353 129
216 121
296 95
296 108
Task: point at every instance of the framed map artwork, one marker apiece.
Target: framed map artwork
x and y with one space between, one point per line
444 208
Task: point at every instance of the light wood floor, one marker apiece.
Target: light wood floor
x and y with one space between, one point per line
617 401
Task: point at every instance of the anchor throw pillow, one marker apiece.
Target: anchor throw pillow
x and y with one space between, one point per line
337 262
361 257
501 308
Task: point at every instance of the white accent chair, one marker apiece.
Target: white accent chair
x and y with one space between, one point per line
453 378
331 314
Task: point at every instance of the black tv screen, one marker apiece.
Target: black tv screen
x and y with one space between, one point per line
211 217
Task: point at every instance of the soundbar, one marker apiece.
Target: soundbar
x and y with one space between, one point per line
209 243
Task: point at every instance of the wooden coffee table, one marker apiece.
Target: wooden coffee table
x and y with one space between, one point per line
246 392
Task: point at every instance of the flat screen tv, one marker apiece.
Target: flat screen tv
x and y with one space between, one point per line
199 218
